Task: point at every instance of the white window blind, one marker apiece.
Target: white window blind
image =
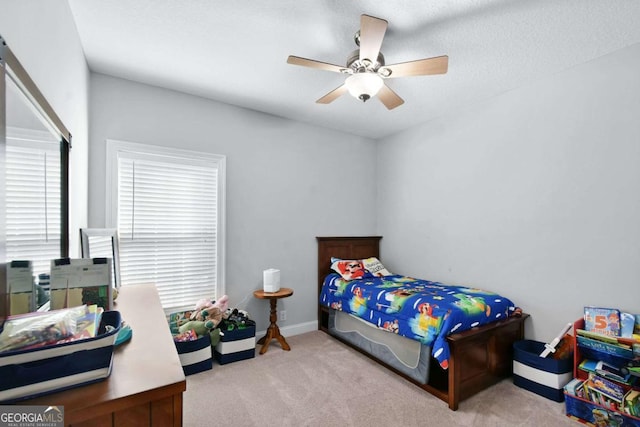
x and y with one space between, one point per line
33 197
169 219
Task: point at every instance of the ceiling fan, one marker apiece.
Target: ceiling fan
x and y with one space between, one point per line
367 70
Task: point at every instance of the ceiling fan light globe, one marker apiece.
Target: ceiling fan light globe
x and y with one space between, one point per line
363 85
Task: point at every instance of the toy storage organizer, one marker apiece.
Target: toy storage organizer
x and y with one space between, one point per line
29 373
195 356
587 411
237 343
542 375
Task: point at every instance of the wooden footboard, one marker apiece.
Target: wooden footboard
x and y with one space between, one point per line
479 357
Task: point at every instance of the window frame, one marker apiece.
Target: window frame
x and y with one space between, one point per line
114 148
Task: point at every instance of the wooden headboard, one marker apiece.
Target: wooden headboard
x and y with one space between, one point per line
345 248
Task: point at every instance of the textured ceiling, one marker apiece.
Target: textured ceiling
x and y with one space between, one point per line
235 51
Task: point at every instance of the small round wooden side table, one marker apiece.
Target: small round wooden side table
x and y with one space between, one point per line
274 331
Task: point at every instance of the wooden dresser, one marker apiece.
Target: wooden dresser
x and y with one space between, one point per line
146 383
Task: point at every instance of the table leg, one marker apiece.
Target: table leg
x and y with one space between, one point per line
273 332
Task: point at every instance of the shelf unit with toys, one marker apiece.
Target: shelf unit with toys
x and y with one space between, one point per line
601 397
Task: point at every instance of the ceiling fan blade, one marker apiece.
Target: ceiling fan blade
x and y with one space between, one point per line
420 67
296 60
371 34
389 98
331 96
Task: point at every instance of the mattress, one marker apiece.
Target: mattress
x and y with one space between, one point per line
417 309
405 355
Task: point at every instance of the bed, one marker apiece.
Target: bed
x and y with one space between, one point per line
476 358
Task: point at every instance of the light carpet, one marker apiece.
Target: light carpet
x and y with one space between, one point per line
322 382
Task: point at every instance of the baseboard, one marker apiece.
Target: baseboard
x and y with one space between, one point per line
289 331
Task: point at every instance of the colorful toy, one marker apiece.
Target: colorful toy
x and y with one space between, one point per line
185 336
200 329
222 304
551 347
632 368
210 312
198 326
204 319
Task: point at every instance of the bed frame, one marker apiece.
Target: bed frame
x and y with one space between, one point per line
480 357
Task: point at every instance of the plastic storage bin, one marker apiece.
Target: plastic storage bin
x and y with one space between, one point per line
541 375
30 373
584 410
237 344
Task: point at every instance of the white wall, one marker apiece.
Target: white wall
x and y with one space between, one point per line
42 35
534 194
287 182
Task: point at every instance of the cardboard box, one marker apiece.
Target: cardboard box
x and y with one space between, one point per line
237 344
37 371
542 375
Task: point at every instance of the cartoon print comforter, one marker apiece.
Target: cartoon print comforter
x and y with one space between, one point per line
418 309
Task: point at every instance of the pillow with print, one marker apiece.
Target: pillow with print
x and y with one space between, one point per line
375 268
353 269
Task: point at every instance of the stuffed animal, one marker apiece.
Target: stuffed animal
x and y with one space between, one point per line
222 303
236 316
200 328
211 316
196 325
210 312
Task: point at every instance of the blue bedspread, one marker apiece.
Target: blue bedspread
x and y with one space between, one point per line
418 309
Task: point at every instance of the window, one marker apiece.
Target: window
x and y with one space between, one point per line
168 207
33 198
